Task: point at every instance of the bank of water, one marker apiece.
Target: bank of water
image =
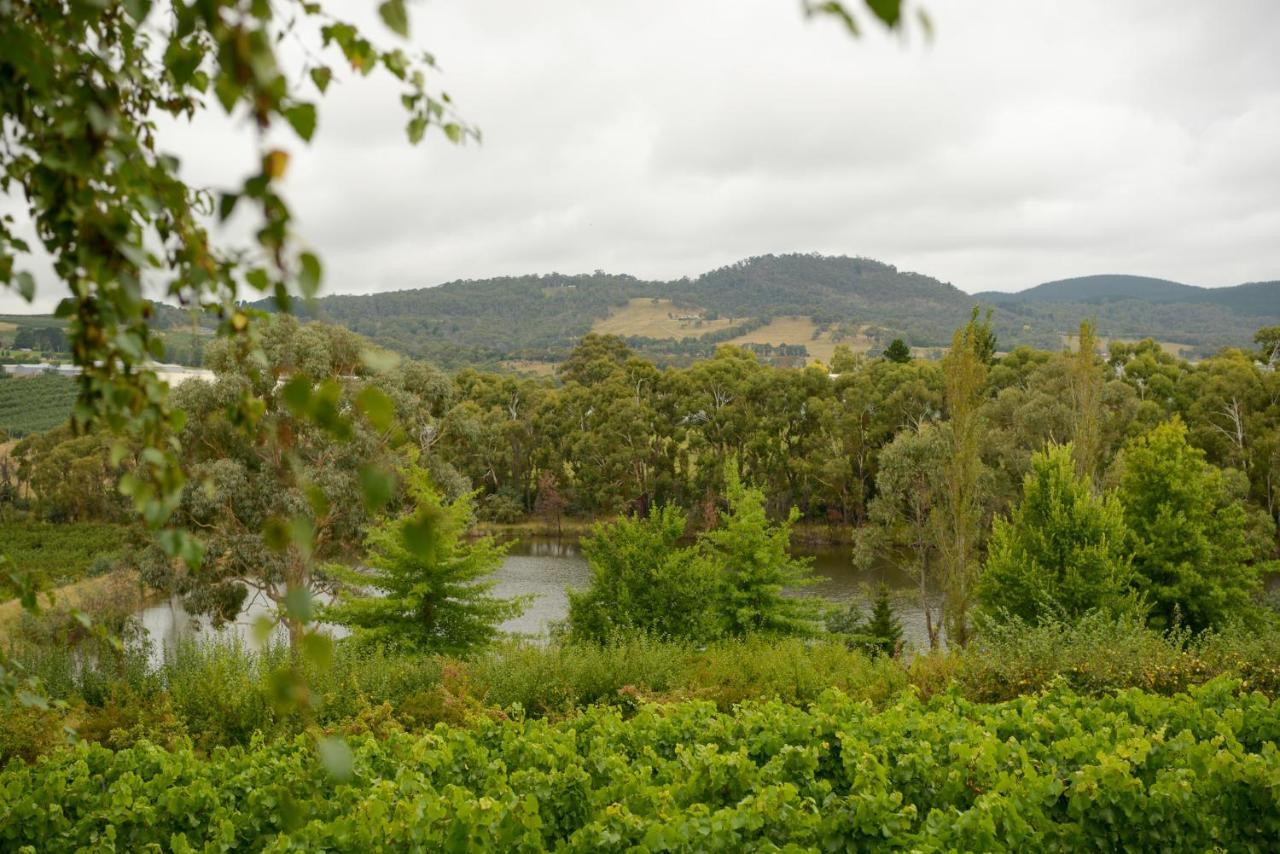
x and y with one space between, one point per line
545 569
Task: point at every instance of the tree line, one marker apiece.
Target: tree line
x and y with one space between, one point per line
937 466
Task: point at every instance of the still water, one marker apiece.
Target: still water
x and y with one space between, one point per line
545 569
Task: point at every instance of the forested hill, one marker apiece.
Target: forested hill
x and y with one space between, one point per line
786 307
818 300
1200 320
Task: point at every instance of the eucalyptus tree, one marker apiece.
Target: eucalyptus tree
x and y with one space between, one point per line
900 521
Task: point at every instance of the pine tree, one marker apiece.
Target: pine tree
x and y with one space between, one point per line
425 587
884 627
898 351
757 566
1062 553
1191 554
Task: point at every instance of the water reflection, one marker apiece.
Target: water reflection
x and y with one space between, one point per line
545 569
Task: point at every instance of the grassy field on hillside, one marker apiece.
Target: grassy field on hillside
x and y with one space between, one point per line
656 318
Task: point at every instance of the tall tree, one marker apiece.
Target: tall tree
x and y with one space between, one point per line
958 517
900 529
1086 397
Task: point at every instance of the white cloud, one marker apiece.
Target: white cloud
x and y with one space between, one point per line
1028 141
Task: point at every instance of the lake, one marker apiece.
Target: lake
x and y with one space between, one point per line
545 569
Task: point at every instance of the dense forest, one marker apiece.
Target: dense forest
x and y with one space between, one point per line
900 457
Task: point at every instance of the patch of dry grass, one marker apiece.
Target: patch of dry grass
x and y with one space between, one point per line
656 318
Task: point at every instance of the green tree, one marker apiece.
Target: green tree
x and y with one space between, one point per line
1086 397
1268 340
642 580
898 351
884 627
958 515
426 586
1061 554
1191 557
900 525
755 559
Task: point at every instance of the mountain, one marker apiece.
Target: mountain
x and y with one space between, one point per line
1262 297
786 307
1106 288
1199 320
538 318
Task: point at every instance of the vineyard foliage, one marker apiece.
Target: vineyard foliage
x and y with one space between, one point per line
61 553
1057 771
34 404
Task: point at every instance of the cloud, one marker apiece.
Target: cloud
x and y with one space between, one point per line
1026 142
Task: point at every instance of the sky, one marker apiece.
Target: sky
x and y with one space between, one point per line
1026 141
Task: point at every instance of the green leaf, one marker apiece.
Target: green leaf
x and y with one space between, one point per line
377 485
453 130
302 118
395 16
335 755
310 274
317 648
377 407
378 360
299 604
26 285
888 11
296 394
321 76
226 205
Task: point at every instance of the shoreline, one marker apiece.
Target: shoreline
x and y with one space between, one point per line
802 533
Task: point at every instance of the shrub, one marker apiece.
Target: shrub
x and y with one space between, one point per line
1056 772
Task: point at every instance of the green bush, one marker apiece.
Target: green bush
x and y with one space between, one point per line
1057 772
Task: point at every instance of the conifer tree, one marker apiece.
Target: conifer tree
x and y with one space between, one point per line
425 587
1062 553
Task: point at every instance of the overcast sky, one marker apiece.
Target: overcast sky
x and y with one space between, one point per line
1028 141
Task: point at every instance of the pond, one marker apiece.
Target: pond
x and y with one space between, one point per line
545 569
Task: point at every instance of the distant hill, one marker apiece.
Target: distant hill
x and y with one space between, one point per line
786 307
1204 319
1107 288
528 319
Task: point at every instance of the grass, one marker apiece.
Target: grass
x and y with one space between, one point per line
656 318
801 330
220 693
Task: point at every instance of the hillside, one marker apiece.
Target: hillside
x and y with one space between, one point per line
537 319
1199 319
788 307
